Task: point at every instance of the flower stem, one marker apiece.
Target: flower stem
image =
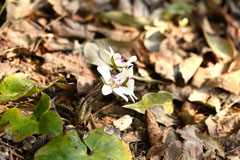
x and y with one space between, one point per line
83 110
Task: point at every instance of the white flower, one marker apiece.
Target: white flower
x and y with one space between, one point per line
118 61
121 84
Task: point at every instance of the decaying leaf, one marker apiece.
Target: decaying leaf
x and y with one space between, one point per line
164 69
222 47
228 81
123 122
173 151
192 146
151 100
212 144
153 39
163 118
204 74
185 70
124 18
206 96
155 135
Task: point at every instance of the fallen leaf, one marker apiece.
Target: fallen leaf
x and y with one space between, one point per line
151 100
164 69
153 39
192 146
155 133
185 70
204 74
206 96
222 47
123 122
212 144
163 118
124 18
173 151
64 30
228 81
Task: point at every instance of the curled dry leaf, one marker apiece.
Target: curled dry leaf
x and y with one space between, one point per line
154 131
155 135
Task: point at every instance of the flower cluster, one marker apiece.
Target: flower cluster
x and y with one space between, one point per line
122 83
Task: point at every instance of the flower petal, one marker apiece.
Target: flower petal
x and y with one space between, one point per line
105 72
106 90
120 93
131 60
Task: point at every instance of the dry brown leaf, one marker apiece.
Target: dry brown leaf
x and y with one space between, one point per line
228 81
222 47
211 125
192 146
154 131
115 34
212 144
204 74
67 31
58 7
206 96
56 63
164 69
163 118
173 151
132 137
187 68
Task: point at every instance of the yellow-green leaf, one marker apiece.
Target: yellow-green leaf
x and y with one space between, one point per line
151 100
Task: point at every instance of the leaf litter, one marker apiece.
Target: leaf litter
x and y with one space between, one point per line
187 76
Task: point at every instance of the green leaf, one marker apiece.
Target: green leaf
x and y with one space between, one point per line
50 124
222 47
151 100
70 147
42 121
13 88
19 127
124 18
42 106
178 8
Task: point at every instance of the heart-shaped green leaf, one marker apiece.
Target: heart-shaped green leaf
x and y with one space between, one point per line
50 124
42 121
103 145
42 106
151 100
19 127
13 88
